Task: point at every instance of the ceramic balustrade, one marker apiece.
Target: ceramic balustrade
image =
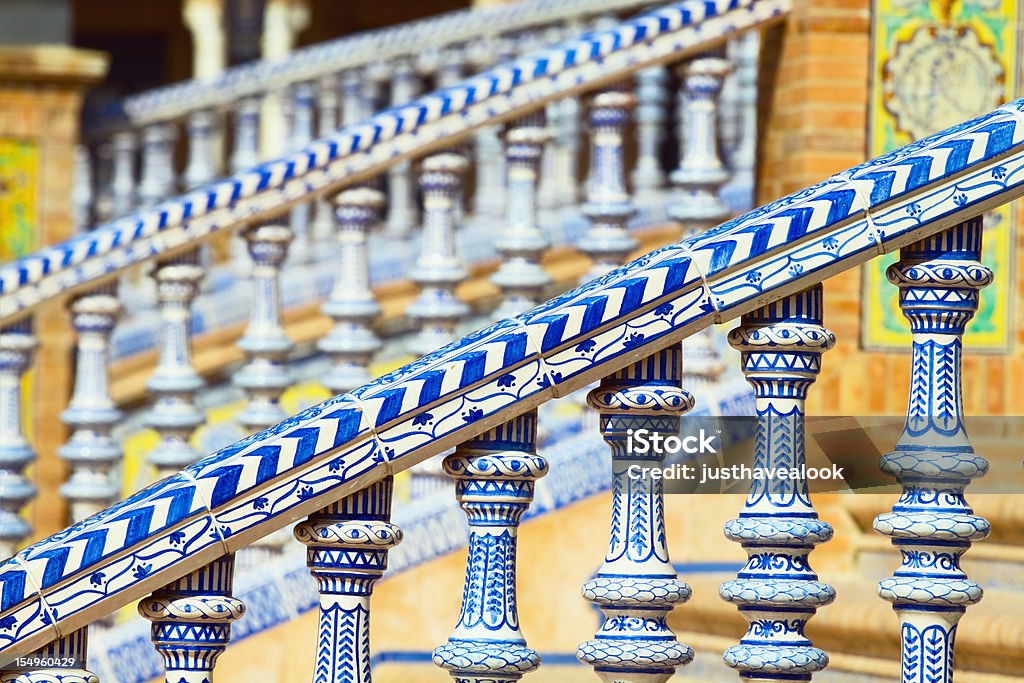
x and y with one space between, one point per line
932 525
175 382
670 304
495 475
192 621
347 546
352 342
776 591
91 452
608 206
17 346
637 586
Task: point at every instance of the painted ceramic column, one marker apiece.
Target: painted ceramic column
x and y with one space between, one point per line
71 650
701 172
777 591
494 474
699 177
438 269
192 621
301 250
931 524
82 199
246 153
743 157
548 193
347 546
17 346
351 343
157 181
353 106
521 244
202 164
175 381
449 73
122 179
402 212
567 151
637 586
648 178
265 376
91 451
327 109
608 207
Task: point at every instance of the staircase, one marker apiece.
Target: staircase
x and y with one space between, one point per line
439 357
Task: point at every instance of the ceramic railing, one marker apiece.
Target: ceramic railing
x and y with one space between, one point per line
129 161
332 464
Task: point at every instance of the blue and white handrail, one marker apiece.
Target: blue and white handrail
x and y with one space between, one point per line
363 150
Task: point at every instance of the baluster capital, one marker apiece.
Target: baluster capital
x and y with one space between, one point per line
347 546
192 620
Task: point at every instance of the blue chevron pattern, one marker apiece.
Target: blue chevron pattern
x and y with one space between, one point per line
656 35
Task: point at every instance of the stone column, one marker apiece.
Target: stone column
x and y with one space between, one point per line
205 20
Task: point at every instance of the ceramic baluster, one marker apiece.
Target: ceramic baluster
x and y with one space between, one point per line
82 190
246 153
438 269
175 381
202 137
265 375
402 214
327 121
494 474
652 95
608 207
17 345
122 180
192 621
521 244
637 586
157 181
776 590
302 107
352 342
701 172
91 452
347 546
939 280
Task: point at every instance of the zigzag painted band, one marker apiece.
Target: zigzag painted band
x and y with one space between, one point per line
333 57
371 146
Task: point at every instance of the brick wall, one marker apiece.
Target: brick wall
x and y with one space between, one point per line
814 108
